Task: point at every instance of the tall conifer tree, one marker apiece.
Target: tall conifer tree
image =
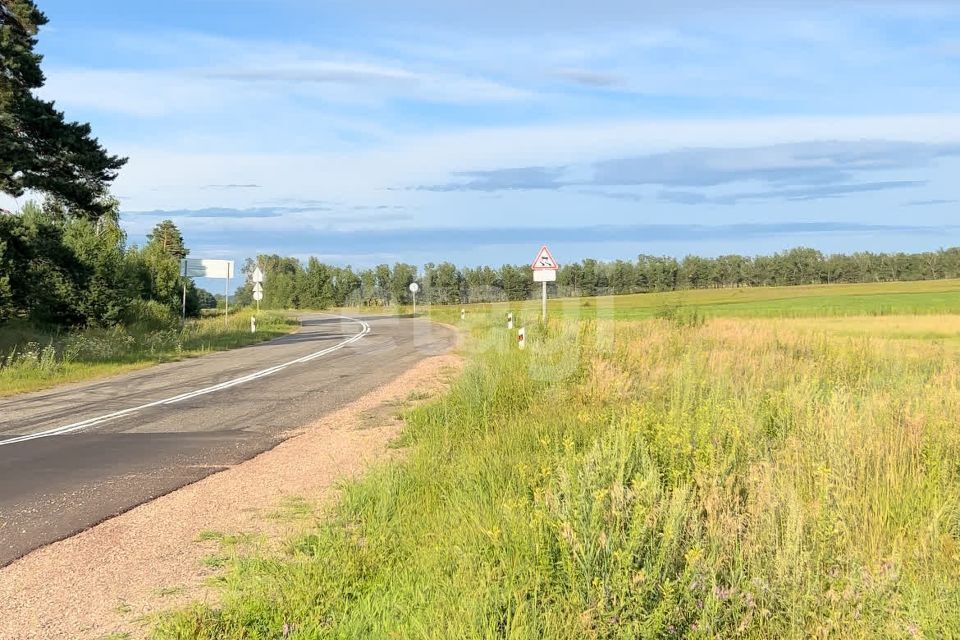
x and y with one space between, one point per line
39 149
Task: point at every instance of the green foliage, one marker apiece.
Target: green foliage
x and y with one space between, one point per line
166 239
316 285
39 149
794 267
679 315
63 270
290 285
401 277
516 282
206 300
444 283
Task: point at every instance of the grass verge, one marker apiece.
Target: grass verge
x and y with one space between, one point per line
656 479
32 361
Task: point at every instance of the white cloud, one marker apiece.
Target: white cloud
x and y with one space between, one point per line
277 74
415 159
146 94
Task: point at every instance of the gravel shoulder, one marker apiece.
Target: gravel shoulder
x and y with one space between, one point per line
106 581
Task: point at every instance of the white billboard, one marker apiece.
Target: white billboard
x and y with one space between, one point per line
197 268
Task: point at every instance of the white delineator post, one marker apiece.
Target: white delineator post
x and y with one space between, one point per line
510 320
522 338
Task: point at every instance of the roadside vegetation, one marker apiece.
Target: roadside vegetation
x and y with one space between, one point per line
31 360
666 477
76 299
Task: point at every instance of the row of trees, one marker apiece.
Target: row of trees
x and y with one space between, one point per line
797 266
61 269
291 284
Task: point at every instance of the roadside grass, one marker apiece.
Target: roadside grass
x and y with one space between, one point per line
32 360
724 478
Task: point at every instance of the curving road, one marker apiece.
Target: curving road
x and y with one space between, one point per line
73 456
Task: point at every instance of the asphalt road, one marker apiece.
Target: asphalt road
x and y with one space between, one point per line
76 455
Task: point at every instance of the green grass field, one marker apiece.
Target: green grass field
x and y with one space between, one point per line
34 360
722 477
882 299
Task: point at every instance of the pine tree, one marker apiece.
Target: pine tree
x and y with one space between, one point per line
166 238
39 149
162 253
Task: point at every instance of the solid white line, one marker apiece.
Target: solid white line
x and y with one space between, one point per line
90 422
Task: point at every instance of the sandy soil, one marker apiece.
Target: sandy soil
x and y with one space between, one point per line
104 581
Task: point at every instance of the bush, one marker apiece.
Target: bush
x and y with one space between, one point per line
143 316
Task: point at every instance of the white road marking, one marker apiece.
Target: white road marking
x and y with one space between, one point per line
90 422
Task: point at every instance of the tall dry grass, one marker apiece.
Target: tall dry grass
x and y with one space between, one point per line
724 479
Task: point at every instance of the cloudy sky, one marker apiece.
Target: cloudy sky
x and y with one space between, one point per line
368 131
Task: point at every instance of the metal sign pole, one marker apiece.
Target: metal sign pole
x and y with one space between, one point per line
544 314
184 309
544 271
226 300
414 288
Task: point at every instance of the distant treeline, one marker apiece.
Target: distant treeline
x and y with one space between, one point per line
315 285
63 269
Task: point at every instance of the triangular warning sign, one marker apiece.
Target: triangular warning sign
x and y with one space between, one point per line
544 261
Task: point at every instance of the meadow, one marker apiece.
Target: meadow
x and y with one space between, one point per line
882 298
31 359
686 475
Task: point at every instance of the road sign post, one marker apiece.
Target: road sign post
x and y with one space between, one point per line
414 288
257 278
543 299
257 294
226 302
198 268
544 271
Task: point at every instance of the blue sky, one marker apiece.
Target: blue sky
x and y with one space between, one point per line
373 131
